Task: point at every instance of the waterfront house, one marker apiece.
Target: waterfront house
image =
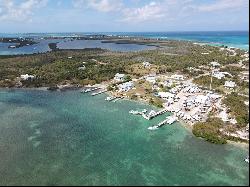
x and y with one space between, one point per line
119 77
27 77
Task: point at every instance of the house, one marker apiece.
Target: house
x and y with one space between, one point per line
146 64
177 77
230 84
27 77
151 78
218 75
215 64
126 86
166 95
119 77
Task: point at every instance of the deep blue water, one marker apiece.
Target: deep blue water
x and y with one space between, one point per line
239 39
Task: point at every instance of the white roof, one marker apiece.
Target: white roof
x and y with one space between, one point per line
214 63
230 84
119 75
166 94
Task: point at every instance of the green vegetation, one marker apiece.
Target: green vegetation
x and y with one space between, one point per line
210 131
156 102
237 108
206 80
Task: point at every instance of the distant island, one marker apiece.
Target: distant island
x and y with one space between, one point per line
205 87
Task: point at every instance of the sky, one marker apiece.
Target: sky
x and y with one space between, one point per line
18 16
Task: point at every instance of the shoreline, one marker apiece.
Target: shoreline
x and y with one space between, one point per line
188 127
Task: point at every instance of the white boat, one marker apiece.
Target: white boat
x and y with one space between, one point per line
144 111
153 128
171 120
133 112
110 98
247 159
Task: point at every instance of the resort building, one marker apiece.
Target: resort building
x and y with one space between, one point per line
27 77
119 77
230 84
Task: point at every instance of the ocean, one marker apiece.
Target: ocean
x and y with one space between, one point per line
69 138
238 39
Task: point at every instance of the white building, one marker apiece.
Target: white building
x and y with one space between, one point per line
151 78
177 77
215 64
126 86
146 64
119 77
27 77
230 84
166 95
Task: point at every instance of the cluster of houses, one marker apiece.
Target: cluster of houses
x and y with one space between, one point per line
188 102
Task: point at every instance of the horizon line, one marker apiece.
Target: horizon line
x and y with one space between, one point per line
124 31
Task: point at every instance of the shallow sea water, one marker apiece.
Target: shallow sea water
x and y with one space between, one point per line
69 138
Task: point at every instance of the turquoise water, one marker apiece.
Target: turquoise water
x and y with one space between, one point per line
68 138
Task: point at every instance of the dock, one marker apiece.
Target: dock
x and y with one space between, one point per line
169 120
151 116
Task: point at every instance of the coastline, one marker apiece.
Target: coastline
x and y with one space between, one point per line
188 127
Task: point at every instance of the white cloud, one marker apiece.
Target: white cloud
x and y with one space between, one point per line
148 12
99 5
223 5
11 11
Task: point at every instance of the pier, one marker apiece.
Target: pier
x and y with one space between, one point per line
169 120
151 116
